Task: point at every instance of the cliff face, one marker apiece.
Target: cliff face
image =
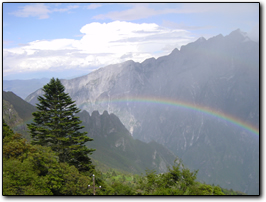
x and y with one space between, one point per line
23 108
221 74
17 113
10 115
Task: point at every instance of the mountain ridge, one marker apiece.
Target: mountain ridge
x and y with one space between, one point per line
23 88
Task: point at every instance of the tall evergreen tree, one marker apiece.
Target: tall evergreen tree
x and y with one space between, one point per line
55 125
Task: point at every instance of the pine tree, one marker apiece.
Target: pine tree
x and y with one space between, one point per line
55 125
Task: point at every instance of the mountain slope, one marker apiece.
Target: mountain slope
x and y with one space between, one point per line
178 100
17 113
10 115
117 149
23 108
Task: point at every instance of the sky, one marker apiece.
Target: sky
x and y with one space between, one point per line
67 40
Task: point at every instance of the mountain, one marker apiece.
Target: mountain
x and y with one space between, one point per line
17 113
23 88
201 102
116 148
23 108
10 115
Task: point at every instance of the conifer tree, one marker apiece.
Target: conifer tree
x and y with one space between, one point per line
55 125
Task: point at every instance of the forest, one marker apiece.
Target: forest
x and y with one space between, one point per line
57 162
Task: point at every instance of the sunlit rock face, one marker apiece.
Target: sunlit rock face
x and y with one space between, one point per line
191 101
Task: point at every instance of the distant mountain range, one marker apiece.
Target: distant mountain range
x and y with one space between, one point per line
201 102
23 88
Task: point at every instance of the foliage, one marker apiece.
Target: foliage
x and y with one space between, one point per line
55 125
61 178
177 181
20 178
35 170
7 132
231 192
15 146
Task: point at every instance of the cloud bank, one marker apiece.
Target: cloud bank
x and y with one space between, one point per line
102 44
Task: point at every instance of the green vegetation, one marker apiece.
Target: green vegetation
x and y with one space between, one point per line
36 170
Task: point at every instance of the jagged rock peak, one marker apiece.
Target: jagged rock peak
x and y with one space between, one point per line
193 45
237 31
85 112
149 61
95 113
128 62
201 39
216 38
105 113
175 51
238 35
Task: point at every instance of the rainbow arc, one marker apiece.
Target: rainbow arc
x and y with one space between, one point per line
194 107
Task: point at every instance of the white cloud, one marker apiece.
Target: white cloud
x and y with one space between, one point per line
34 10
94 6
126 37
102 44
65 9
40 10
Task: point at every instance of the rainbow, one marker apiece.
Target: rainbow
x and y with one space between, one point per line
189 106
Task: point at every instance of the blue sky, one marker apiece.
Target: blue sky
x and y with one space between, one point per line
66 40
